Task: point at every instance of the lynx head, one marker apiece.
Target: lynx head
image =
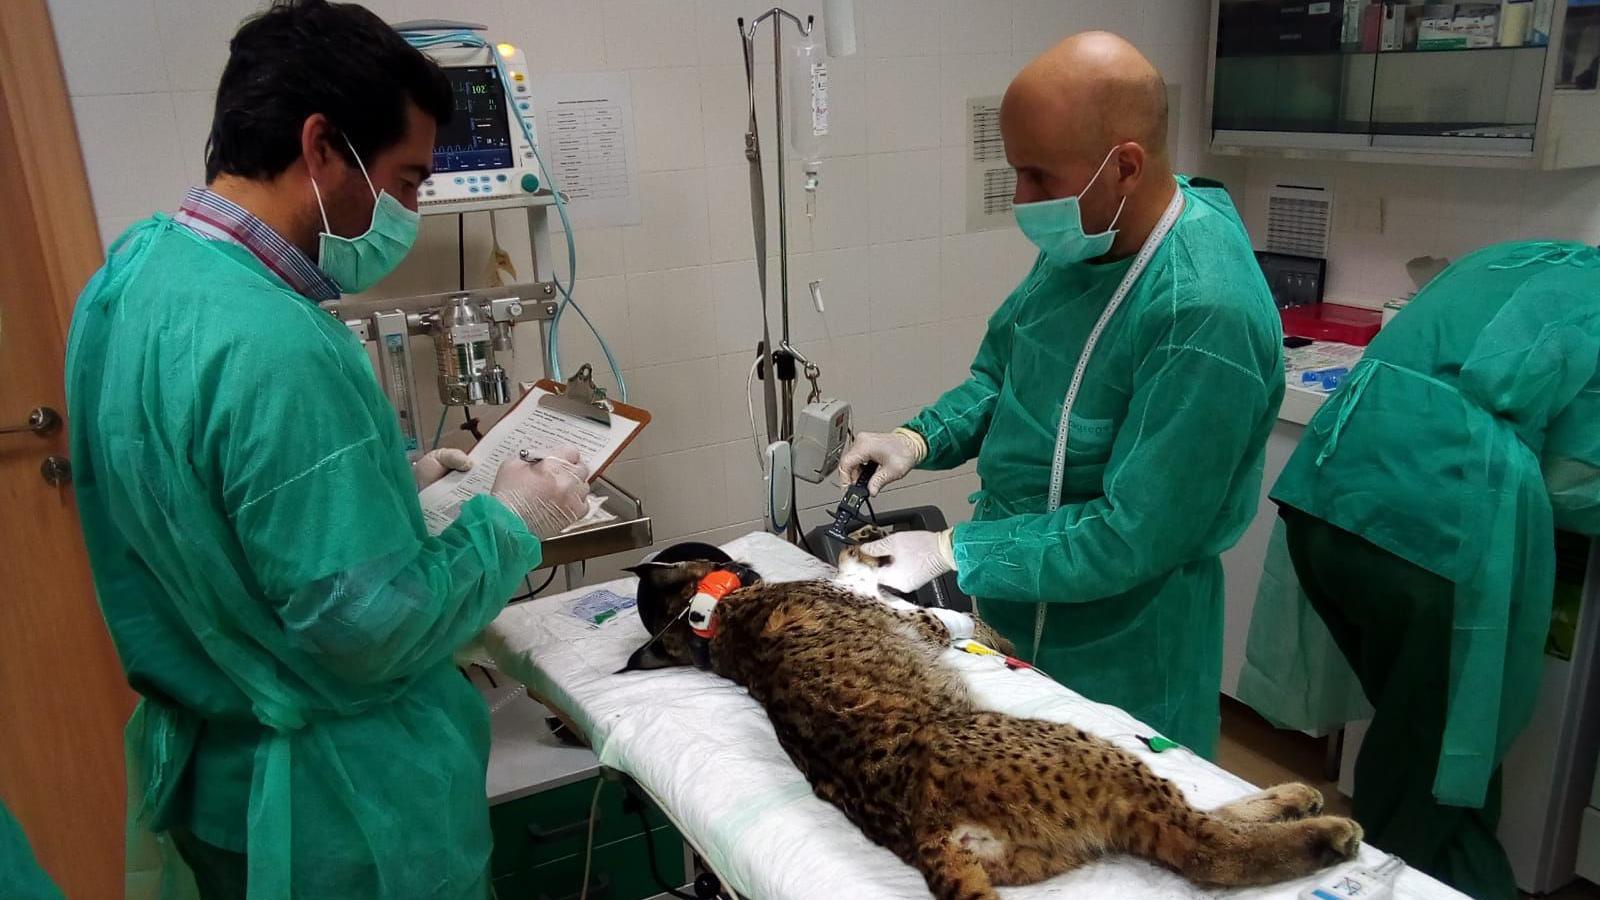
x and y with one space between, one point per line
666 585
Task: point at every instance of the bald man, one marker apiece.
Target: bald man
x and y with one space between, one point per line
1094 544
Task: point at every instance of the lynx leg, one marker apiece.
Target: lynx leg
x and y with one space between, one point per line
1284 803
953 871
1210 850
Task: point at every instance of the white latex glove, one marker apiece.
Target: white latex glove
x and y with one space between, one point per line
435 464
548 495
915 558
896 454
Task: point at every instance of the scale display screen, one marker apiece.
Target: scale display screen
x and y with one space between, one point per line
479 134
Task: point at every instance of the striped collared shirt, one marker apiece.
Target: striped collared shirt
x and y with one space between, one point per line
213 216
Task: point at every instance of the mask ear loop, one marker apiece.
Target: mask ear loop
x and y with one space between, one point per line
326 228
1095 177
363 167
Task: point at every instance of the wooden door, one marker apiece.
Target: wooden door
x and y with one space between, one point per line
63 699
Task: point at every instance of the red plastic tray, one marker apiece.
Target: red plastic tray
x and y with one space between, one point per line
1332 322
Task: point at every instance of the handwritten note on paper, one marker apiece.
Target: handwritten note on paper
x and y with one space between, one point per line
530 427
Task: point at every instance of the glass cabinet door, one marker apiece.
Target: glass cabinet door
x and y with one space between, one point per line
1459 77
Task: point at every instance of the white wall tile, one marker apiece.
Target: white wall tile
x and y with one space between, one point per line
666 118
725 112
975 26
845 277
674 231
670 313
112 227
192 112
959 340
1176 22
109 47
131 152
556 35
902 104
742 480
194 38
736 299
599 250
644 34
731 227
729 396
899 27
907 369
905 284
963 77
905 203
953 190
1037 25
674 394
679 492
979 272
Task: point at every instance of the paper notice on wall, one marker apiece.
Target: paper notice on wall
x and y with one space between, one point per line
990 179
585 125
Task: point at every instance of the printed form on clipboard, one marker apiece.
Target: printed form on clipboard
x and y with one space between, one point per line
541 431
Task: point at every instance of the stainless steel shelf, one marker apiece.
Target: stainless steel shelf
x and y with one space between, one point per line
631 530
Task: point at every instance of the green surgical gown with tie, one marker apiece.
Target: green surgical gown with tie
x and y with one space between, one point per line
263 566
1456 447
1465 436
1164 458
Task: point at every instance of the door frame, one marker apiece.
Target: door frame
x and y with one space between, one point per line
52 161
69 799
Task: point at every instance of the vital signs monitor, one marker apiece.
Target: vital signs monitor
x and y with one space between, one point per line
482 153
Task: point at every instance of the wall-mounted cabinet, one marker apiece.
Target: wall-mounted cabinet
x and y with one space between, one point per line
1507 83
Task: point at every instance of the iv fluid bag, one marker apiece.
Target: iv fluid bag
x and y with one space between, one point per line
807 74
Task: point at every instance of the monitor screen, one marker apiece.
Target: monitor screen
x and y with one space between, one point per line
479 134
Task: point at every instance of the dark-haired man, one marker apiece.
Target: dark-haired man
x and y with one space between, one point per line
251 518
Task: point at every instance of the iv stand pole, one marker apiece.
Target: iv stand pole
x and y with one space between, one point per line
780 416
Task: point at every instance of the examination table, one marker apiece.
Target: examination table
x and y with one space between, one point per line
706 753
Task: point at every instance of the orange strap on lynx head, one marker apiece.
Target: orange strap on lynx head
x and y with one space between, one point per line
703 608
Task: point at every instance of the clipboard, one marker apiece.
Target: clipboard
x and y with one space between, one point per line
631 418
529 425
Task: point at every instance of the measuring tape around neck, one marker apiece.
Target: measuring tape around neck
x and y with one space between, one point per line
1058 462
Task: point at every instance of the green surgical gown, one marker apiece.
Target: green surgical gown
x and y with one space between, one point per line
1164 458
20 872
262 563
1462 439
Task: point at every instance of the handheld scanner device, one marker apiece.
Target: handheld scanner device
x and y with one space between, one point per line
849 511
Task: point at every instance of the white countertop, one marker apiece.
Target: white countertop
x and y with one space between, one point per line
524 757
1300 404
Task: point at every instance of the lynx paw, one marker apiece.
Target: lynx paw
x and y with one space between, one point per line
1333 840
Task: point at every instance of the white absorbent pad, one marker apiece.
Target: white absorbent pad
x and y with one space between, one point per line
707 754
